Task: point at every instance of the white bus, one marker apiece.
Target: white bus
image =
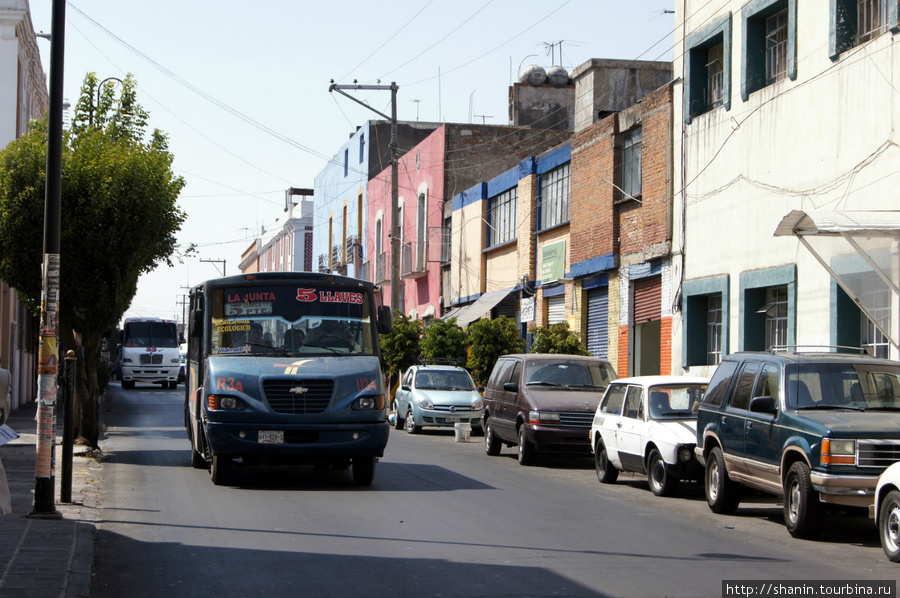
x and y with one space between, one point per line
150 352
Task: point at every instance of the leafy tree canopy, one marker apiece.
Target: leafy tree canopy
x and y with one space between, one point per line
444 339
400 347
488 341
118 215
557 338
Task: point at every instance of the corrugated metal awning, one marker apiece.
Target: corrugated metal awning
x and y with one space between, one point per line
483 305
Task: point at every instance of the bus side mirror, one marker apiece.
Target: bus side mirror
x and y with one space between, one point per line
385 319
196 323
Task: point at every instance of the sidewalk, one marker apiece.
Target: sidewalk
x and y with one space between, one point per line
46 557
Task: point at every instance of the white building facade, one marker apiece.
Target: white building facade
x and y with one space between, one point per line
788 116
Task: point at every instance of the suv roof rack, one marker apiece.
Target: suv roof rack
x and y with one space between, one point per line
818 349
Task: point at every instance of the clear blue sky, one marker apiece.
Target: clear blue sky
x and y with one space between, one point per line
242 88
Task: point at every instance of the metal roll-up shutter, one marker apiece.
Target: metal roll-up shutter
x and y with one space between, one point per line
556 309
598 322
647 299
508 307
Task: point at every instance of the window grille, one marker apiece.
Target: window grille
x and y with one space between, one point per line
631 164
871 19
776 47
714 330
555 197
715 68
502 217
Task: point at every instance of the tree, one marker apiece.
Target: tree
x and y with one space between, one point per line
444 339
400 347
557 338
488 340
118 217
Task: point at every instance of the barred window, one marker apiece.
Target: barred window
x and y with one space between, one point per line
502 217
714 330
555 197
631 164
776 46
871 19
715 71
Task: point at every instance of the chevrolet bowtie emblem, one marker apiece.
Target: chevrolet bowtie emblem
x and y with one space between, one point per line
298 390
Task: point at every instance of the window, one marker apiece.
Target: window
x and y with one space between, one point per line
776 312
854 22
708 68
346 161
877 297
742 392
705 309
380 273
446 240
770 44
713 329
715 74
633 402
362 148
871 19
631 164
421 232
502 217
555 197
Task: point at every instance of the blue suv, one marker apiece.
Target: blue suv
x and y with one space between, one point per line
815 428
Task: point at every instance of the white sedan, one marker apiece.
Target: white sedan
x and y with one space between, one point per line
886 510
646 424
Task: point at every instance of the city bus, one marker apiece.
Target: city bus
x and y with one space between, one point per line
150 352
284 368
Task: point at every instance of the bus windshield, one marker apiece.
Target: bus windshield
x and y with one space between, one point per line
290 320
162 335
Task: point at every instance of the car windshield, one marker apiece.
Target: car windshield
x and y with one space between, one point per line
674 401
842 386
577 375
285 320
444 380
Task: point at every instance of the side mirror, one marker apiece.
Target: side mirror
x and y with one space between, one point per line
405 387
480 389
763 405
385 319
196 323
511 387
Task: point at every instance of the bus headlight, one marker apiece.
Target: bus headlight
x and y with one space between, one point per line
369 403
223 403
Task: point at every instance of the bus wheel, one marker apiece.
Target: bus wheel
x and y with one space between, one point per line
220 470
363 470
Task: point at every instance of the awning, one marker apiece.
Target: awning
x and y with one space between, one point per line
861 251
482 306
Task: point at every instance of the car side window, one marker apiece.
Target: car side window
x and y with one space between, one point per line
744 388
615 397
718 385
633 402
767 384
497 376
407 379
516 371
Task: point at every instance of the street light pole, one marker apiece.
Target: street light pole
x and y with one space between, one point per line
48 349
395 191
97 104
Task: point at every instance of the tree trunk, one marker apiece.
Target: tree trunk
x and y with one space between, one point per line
86 412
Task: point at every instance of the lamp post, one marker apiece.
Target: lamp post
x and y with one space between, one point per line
97 104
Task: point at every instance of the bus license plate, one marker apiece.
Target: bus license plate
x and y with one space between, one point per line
271 437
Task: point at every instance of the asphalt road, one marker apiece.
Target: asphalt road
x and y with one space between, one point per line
441 519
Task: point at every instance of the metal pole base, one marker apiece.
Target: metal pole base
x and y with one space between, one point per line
44 504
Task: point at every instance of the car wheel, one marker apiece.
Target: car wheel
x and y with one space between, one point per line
889 525
127 384
221 469
363 470
411 427
723 495
606 471
197 460
804 515
398 421
173 385
491 442
661 482
526 449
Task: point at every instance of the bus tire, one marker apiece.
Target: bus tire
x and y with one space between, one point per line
363 470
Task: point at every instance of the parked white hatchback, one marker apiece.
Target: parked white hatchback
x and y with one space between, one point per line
646 424
886 510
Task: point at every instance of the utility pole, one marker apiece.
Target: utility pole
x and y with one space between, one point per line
395 192
48 348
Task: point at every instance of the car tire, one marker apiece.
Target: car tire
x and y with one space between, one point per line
398 421
606 471
804 514
410 421
889 525
363 470
662 483
723 495
127 384
197 460
221 469
526 449
491 442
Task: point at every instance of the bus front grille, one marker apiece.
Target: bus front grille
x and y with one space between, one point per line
298 397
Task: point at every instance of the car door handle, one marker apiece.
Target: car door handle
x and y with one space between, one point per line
618 424
749 425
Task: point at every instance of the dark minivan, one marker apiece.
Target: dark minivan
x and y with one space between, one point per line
543 403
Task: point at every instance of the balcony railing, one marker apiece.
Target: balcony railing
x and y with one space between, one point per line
412 263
